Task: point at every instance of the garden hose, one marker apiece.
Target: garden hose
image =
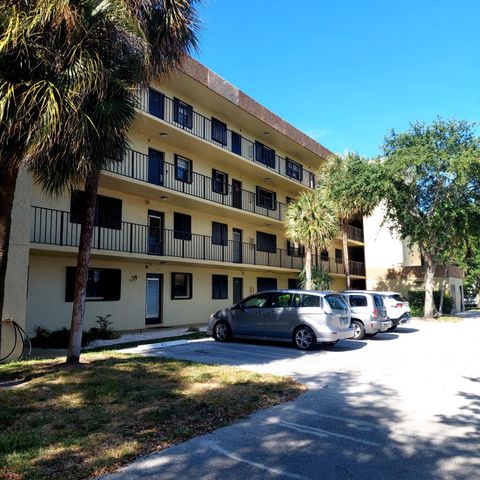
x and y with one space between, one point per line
20 335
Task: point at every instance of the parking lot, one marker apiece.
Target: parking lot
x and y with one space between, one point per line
404 404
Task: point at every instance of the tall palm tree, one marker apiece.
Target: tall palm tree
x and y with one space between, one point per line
45 74
346 182
120 45
311 222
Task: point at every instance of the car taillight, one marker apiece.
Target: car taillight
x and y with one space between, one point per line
375 313
399 305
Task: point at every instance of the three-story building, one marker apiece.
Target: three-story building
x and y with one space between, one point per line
189 222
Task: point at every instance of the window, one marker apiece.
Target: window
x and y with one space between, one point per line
182 226
338 255
183 169
311 301
266 242
219 182
324 255
397 298
108 212
295 250
290 200
266 198
219 233
336 302
257 301
181 286
155 103
357 300
293 283
378 301
219 132
265 155
280 300
103 284
311 178
182 113
294 170
219 286
236 143
264 283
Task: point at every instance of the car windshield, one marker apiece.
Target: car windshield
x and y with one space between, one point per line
397 298
336 302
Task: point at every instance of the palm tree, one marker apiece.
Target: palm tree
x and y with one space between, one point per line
44 77
345 179
311 222
119 45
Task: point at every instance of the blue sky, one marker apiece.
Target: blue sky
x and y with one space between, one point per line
346 72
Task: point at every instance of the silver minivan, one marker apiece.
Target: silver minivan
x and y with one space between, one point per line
304 317
368 313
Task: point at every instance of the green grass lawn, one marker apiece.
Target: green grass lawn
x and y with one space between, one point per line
79 421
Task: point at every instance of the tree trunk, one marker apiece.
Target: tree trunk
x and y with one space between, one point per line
429 307
346 260
442 290
308 268
83 259
8 181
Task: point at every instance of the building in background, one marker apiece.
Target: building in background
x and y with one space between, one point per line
391 265
191 221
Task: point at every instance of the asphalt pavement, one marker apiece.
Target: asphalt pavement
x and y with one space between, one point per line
401 405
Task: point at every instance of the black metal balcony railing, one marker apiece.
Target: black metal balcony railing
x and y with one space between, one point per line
354 233
53 227
136 165
201 126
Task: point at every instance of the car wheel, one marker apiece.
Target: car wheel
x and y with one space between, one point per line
358 330
304 338
221 331
392 328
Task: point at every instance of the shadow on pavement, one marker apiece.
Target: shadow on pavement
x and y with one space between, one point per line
349 429
406 330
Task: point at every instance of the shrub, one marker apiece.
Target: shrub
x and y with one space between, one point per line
320 280
416 298
44 338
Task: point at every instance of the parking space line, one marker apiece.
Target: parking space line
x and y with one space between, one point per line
276 471
319 432
364 423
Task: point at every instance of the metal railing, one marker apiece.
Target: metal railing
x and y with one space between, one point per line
354 233
54 227
136 165
201 127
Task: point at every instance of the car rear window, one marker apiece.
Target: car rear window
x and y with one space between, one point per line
358 300
336 302
377 299
311 301
397 298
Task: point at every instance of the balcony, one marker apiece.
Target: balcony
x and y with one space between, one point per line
201 127
354 233
53 227
137 165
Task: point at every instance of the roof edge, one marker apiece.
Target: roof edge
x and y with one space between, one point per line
220 86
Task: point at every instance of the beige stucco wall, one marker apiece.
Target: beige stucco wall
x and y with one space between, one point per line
47 280
17 268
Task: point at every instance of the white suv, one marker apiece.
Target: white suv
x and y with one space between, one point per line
398 309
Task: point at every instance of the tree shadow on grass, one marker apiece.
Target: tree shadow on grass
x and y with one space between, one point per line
79 421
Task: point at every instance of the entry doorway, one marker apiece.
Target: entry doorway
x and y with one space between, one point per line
153 299
236 193
155 232
237 289
237 245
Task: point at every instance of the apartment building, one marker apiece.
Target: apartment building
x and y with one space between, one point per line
392 265
189 222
